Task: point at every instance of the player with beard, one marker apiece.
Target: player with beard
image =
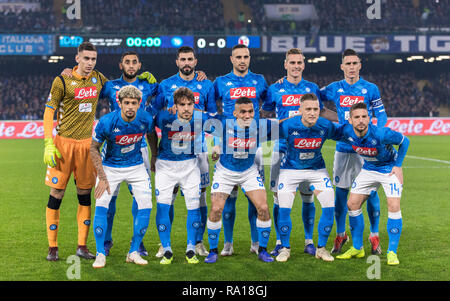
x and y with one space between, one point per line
130 65
204 100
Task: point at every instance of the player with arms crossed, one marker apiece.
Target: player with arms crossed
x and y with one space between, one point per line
303 166
240 82
204 100
241 136
123 131
347 164
382 166
284 98
75 100
176 165
130 65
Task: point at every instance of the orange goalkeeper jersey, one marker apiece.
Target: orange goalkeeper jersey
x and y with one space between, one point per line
75 101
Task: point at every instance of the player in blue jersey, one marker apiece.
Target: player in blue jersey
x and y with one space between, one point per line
303 167
176 165
240 82
130 65
347 164
204 100
240 138
122 131
382 166
283 97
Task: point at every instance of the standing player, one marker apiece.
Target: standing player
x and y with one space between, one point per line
130 65
75 101
176 165
123 132
236 166
382 166
347 163
284 98
204 100
303 166
240 82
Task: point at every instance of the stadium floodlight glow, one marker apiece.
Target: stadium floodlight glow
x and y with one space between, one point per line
398 60
438 59
444 57
409 59
54 57
417 57
61 57
431 59
310 60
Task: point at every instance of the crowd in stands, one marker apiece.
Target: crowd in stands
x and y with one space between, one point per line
207 16
24 97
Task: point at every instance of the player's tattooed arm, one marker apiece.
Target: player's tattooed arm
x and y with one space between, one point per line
103 184
329 114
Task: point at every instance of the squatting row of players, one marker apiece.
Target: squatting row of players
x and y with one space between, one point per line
184 108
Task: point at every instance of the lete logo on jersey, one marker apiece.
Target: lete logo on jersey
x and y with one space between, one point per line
242 143
249 92
291 100
307 143
349 100
128 139
365 151
85 92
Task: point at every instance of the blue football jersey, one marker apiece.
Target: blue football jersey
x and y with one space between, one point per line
111 89
284 98
376 147
203 92
239 144
230 87
304 145
344 96
180 140
123 139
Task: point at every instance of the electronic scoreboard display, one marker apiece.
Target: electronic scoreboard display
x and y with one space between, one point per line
154 44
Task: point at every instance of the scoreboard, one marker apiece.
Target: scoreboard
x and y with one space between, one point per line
156 44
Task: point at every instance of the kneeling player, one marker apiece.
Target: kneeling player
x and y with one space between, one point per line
303 165
123 131
382 166
236 166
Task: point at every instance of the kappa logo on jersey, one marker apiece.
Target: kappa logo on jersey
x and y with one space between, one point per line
249 92
291 100
349 100
196 97
308 143
242 143
128 139
365 151
181 136
86 92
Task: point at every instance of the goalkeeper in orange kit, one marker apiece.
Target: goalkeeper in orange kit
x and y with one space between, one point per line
75 100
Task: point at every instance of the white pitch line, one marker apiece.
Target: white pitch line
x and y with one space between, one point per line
428 159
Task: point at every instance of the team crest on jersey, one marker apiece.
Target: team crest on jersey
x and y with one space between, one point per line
308 90
374 142
254 82
322 132
364 91
94 80
142 127
141 87
199 87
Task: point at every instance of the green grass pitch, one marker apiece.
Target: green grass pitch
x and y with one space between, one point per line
423 249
